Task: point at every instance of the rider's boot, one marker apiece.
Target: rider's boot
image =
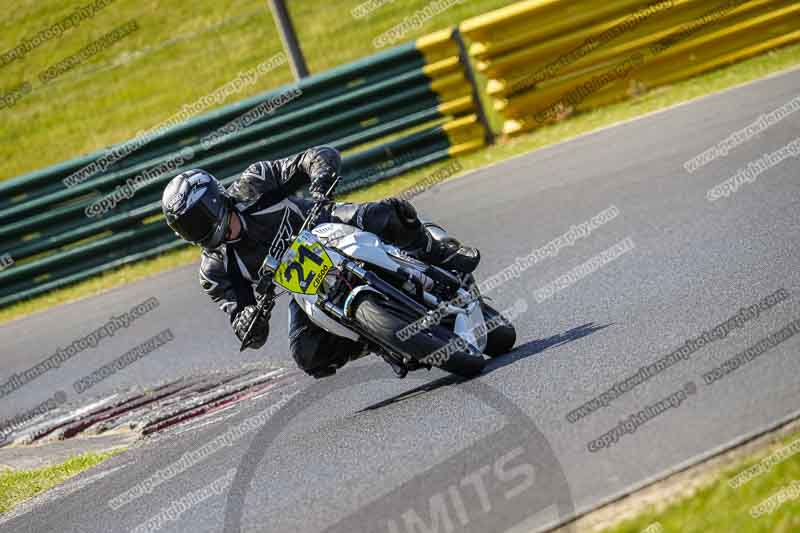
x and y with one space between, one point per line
396 221
434 246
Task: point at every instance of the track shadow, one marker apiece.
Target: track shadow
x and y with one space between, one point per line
521 352
538 346
422 389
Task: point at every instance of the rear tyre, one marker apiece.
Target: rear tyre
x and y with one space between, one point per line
383 318
501 339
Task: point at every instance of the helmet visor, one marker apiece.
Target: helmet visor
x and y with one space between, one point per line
196 223
201 223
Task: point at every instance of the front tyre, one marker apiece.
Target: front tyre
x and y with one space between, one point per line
382 318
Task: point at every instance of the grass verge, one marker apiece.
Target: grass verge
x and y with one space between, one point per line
725 506
18 486
181 52
714 81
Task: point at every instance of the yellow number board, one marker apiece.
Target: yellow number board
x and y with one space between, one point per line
304 265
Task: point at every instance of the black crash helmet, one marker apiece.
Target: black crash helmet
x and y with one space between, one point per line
197 208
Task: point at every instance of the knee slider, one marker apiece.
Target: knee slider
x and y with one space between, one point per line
304 351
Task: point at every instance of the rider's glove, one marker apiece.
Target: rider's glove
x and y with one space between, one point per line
320 185
266 285
260 332
318 196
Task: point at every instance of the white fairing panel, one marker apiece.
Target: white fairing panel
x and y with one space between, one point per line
367 247
470 324
357 244
321 319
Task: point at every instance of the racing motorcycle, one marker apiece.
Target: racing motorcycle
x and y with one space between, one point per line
412 314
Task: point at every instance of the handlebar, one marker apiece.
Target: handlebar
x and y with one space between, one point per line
266 287
265 304
314 213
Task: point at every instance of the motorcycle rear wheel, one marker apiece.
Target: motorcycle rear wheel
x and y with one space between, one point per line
501 338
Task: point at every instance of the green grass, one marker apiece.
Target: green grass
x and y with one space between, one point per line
751 69
182 51
353 38
719 508
18 486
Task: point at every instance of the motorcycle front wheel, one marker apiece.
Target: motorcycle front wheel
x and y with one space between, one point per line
383 318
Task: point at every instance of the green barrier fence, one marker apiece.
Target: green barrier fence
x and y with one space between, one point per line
418 93
421 95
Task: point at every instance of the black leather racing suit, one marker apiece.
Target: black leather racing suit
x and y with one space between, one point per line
261 196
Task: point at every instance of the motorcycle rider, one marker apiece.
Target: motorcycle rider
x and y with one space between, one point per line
256 216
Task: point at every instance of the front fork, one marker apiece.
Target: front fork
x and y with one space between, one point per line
372 283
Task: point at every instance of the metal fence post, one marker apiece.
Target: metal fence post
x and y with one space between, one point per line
469 73
289 38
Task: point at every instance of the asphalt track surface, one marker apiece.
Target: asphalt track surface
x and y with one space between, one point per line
364 451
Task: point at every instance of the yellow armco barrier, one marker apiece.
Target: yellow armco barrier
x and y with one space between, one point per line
449 80
547 58
464 131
